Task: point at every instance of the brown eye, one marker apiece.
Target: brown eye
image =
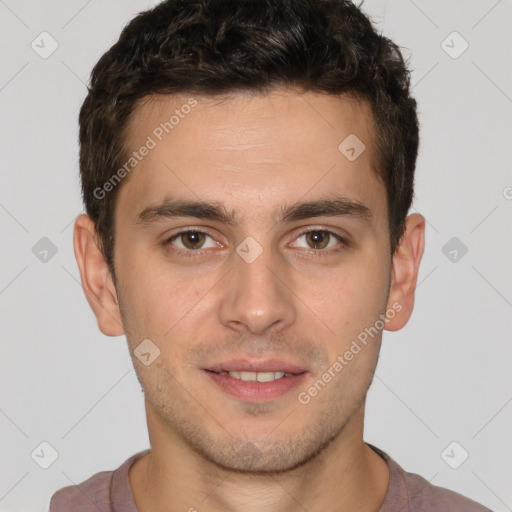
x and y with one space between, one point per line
192 239
318 239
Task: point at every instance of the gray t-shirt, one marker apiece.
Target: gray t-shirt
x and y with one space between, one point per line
109 491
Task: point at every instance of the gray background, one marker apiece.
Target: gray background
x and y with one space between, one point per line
445 377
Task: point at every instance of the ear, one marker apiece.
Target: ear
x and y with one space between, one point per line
96 278
404 273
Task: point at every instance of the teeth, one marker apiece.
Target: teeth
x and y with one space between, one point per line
257 376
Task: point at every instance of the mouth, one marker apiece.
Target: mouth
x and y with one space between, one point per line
256 381
264 376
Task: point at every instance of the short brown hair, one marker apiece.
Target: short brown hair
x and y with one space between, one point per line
223 46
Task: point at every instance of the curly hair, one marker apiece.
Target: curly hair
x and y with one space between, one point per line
208 47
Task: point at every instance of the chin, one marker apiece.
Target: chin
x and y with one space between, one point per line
263 456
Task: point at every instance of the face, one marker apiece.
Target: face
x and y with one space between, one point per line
278 266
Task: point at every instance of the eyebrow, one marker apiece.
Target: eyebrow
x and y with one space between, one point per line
337 206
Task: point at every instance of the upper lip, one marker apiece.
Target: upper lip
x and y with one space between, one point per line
260 365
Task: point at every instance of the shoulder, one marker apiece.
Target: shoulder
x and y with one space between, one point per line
410 492
425 496
106 491
89 496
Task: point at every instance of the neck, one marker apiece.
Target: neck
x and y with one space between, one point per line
346 475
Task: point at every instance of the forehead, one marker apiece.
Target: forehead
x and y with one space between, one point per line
254 151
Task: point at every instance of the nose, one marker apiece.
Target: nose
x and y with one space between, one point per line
258 296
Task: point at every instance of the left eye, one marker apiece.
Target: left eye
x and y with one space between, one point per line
320 239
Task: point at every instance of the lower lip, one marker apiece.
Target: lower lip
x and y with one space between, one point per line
256 391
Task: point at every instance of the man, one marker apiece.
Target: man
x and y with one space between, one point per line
247 170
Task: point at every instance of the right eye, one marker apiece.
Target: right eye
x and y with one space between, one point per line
190 240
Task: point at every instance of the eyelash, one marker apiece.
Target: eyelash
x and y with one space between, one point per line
316 252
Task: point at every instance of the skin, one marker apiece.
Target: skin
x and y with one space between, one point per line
253 154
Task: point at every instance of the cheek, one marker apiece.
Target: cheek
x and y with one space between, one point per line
149 286
350 299
165 304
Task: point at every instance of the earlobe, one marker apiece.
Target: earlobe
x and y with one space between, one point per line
96 278
405 267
